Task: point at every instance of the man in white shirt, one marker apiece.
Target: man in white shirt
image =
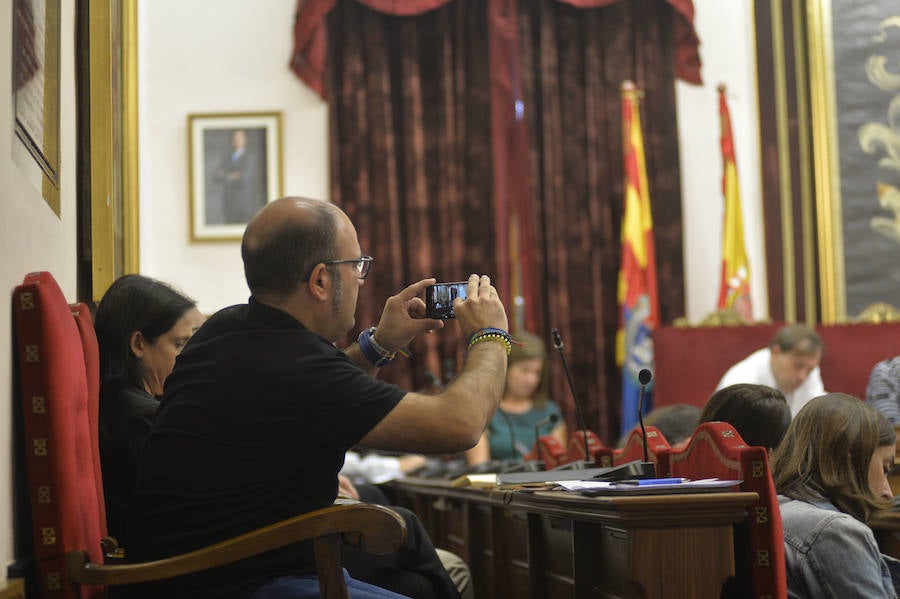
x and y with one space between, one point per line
790 364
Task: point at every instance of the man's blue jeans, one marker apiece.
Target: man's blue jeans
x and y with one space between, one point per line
307 587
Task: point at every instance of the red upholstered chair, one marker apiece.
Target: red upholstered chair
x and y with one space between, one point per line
716 450
547 449
634 446
58 363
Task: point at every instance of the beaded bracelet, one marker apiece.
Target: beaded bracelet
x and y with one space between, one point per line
500 332
491 334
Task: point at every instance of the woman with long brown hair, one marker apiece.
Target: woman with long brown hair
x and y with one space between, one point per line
831 474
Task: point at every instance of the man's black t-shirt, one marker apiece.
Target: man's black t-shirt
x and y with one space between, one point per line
252 429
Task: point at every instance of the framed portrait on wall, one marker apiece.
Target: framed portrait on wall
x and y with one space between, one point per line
235 169
855 92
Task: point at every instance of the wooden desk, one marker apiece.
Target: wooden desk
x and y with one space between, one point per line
555 544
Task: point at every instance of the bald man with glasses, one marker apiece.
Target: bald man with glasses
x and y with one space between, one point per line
261 407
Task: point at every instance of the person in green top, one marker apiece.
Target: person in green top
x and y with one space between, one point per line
511 434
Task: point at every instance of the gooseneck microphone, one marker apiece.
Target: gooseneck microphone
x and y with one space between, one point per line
558 344
551 419
644 377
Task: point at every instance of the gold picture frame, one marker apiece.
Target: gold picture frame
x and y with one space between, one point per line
235 169
110 32
855 114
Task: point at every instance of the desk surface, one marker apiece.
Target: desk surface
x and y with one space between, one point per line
661 509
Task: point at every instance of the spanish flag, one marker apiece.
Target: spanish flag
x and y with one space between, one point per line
734 291
638 300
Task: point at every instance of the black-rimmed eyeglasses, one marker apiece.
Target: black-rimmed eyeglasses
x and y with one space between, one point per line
360 265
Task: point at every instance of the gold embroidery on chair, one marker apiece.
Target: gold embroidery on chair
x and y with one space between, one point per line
48 535
40 447
27 300
728 434
757 469
762 514
38 405
53 581
762 557
32 353
44 495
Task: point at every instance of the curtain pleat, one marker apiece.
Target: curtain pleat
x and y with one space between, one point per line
574 61
411 158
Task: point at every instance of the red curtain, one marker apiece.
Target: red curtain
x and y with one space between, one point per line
410 112
484 137
308 57
573 63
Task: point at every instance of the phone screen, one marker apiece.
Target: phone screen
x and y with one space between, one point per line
439 299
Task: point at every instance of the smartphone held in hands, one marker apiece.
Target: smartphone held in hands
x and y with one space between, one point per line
439 299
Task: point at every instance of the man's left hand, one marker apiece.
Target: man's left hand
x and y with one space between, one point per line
404 317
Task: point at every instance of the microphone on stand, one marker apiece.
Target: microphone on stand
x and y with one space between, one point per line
648 470
579 411
644 377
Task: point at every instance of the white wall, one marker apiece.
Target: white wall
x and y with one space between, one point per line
31 236
729 56
221 56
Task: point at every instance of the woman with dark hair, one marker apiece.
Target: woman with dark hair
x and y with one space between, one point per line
759 413
510 434
831 474
141 326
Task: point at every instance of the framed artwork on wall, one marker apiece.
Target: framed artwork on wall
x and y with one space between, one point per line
235 169
855 101
36 36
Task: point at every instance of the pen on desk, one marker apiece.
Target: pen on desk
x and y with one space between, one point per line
653 481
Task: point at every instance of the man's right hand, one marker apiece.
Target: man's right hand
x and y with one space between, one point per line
482 308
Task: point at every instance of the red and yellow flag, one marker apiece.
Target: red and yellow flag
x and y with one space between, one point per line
734 291
638 300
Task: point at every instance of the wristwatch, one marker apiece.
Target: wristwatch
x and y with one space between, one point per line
373 352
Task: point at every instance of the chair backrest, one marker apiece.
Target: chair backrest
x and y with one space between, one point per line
59 390
634 446
716 450
547 449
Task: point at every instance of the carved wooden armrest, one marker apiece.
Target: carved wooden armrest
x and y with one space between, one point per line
374 528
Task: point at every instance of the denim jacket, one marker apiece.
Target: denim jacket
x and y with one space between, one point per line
830 553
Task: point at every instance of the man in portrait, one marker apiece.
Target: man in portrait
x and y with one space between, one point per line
238 177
